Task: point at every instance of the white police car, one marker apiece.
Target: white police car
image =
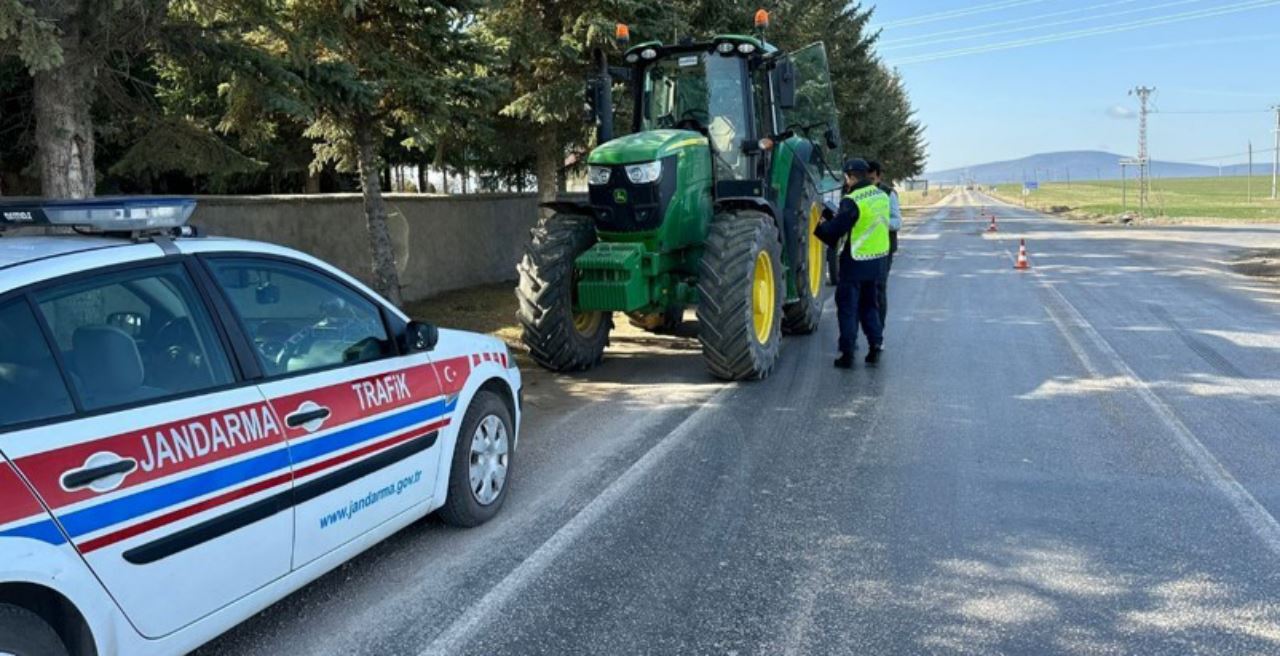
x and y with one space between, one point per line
191 428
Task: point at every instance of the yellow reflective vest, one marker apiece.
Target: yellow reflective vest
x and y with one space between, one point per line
869 237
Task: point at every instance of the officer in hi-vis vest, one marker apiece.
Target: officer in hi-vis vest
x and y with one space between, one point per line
862 220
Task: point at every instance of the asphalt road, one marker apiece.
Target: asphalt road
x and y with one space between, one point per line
1080 459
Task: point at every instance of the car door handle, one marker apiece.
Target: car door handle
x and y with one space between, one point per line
306 416
78 478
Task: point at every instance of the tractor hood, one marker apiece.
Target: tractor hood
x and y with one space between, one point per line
644 146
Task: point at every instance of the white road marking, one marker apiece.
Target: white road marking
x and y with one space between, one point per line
463 629
1262 522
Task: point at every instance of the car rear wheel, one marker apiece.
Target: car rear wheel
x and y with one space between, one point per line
481 470
23 633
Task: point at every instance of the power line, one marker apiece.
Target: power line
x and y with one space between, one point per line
1216 158
1213 111
1225 94
1012 21
1243 38
1088 32
957 13
1058 23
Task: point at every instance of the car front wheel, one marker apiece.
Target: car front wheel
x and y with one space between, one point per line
481 469
23 633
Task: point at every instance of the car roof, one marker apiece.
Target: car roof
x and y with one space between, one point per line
36 258
20 250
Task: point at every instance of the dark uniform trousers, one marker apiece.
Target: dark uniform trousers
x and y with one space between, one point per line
858 301
882 289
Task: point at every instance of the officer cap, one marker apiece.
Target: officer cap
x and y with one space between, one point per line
856 165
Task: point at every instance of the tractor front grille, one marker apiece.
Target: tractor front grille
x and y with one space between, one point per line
621 206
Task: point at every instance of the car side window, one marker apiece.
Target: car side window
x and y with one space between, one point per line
299 319
31 388
134 335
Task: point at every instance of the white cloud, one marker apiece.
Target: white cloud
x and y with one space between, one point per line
1120 112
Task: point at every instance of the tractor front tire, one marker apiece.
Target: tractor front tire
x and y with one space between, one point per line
559 339
800 317
740 293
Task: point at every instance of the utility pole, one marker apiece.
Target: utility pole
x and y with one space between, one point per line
1144 95
1124 187
1250 178
1275 154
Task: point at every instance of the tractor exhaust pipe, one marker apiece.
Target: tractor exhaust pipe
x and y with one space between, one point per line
601 96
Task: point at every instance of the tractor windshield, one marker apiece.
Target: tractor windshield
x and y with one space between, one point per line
705 92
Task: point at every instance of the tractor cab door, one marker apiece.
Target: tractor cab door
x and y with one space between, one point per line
811 114
731 123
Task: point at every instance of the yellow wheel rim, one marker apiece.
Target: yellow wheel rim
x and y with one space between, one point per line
586 323
815 252
763 297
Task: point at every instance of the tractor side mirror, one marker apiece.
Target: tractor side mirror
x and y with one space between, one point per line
832 137
785 83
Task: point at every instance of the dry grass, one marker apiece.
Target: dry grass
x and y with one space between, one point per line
489 309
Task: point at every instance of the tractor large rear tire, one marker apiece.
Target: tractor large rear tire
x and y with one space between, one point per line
558 339
800 317
740 292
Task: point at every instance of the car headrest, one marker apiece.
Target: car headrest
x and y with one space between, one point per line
107 359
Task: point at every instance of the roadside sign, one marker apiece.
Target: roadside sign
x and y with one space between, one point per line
1030 186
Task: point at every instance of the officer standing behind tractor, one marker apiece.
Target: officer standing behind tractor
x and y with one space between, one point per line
863 217
895 224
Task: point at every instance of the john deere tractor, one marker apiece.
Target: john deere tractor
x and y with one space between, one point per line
709 202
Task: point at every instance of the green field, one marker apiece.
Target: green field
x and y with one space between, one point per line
1173 198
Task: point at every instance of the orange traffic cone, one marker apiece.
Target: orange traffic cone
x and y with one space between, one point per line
992 227
1022 263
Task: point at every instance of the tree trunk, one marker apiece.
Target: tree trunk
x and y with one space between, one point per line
64 127
313 183
422 177
547 163
386 279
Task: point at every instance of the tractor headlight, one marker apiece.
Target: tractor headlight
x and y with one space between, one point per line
598 175
644 173
746 48
725 48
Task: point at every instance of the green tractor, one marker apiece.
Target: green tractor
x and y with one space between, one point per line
709 202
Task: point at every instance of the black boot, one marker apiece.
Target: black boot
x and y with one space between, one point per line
873 354
845 361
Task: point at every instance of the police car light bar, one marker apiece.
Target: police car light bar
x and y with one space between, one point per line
107 214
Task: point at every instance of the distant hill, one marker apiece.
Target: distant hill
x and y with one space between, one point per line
1079 165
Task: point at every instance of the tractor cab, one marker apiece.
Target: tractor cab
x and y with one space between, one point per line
709 201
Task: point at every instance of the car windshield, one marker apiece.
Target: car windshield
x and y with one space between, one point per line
704 92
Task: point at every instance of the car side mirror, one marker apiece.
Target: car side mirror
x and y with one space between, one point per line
420 336
785 81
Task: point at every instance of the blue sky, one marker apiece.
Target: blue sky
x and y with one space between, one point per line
1072 94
